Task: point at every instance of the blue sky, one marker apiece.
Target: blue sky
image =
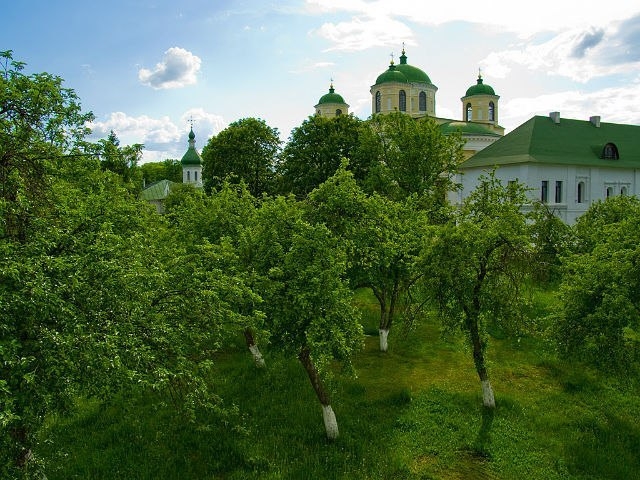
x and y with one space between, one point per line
145 67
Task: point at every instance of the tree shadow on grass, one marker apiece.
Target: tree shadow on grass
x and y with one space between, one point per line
605 447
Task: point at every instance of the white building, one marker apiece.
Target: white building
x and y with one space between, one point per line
567 164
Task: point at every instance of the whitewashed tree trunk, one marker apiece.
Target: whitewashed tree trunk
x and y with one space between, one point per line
384 335
330 422
488 400
257 356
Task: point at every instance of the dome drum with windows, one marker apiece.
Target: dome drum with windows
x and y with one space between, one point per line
404 88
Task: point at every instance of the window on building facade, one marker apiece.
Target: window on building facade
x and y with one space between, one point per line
422 101
338 112
378 102
188 176
609 192
402 101
469 112
492 111
195 176
580 192
544 191
624 190
558 191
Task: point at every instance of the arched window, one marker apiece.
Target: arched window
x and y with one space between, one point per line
188 176
195 175
610 152
580 192
492 112
623 190
402 101
378 101
469 112
422 102
338 112
609 192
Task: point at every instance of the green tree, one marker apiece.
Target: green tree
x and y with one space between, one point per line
221 217
244 151
39 121
599 318
122 161
315 150
474 267
169 169
550 237
409 156
383 239
307 301
95 295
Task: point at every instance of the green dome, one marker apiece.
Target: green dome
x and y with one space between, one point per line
412 73
480 89
403 73
392 75
191 157
331 97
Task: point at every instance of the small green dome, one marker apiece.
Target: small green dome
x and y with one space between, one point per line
191 157
480 89
331 97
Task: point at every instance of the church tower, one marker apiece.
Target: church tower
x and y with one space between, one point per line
192 163
480 104
404 88
331 104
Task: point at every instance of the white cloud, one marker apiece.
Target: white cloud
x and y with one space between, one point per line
614 105
365 32
178 68
161 137
543 15
142 129
577 54
205 124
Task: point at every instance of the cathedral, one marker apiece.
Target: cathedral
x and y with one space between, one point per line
406 88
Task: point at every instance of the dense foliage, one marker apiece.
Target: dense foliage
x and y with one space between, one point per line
100 297
245 151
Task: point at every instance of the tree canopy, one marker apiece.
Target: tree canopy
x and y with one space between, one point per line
599 319
315 150
244 151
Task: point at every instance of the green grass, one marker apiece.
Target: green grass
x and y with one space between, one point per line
414 412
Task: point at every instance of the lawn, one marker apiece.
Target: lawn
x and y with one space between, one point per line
414 412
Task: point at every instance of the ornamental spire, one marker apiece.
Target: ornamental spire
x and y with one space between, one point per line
403 57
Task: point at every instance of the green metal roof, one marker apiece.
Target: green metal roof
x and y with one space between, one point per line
480 89
467 128
157 191
191 157
570 142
